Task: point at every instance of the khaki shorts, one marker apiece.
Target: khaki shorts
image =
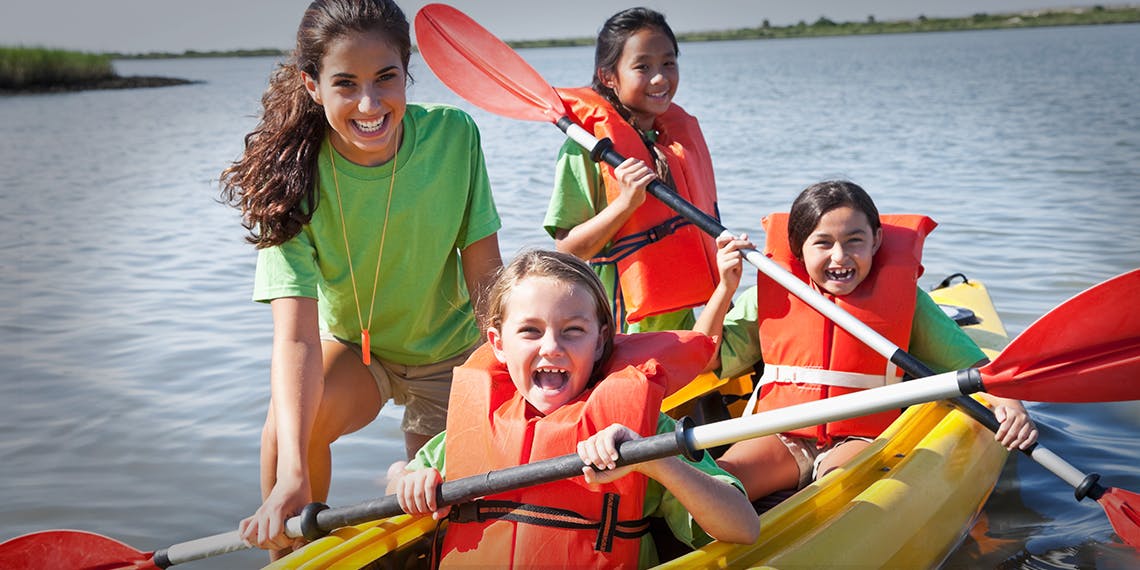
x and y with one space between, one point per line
422 390
808 456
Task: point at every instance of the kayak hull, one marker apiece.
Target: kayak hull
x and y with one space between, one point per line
906 502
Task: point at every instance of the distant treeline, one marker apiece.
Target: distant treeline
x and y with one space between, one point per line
195 53
821 27
1094 15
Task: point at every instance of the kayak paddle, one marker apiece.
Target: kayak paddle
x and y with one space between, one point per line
1091 375
482 69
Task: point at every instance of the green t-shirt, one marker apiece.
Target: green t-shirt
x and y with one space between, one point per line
580 194
659 502
935 339
441 203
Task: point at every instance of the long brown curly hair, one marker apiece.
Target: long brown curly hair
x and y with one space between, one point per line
273 183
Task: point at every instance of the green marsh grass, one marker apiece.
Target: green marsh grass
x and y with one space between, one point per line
26 68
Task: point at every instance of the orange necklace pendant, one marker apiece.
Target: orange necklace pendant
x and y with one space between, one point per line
365 340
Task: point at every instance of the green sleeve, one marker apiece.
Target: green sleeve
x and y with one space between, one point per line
740 339
432 454
287 270
937 341
679 320
659 502
579 193
481 218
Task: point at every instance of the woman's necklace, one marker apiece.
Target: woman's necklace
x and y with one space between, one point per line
365 341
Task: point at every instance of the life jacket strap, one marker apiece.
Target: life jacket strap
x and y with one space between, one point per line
628 245
608 528
805 375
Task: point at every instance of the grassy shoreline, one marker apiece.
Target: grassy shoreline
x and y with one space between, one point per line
44 70
26 67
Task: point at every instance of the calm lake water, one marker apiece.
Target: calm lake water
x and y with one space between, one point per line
134 367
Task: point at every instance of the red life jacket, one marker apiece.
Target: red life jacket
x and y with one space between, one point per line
664 263
563 523
807 357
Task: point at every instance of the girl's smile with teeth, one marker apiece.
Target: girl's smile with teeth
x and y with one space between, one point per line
645 76
840 274
838 252
550 339
371 126
361 88
551 379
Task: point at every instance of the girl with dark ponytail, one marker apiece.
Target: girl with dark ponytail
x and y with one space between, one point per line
655 264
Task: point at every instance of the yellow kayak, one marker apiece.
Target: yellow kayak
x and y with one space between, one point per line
906 501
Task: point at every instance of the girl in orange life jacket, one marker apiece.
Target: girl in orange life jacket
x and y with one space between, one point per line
655 265
552 380
835 240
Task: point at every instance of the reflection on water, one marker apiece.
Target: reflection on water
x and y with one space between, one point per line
134 368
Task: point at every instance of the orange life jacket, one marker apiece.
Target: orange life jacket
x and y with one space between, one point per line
664 263
807 357
564 523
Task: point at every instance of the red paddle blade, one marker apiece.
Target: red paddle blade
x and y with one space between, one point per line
482 69
1123 510
1085 350
72 549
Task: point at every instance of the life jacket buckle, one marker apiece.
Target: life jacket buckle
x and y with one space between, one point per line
662 230
466 513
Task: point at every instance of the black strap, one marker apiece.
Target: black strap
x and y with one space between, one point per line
629 244
608 528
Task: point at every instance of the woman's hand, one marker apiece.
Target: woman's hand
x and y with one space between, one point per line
266 527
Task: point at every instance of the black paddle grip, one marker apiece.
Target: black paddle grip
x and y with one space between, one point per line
1089 487
310 527
604 152
969 384
492 482
161 559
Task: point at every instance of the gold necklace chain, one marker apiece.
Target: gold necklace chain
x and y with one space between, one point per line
365 337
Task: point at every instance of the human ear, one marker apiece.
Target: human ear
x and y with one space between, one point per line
600 349
878 241
311 87
496 341
606 78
